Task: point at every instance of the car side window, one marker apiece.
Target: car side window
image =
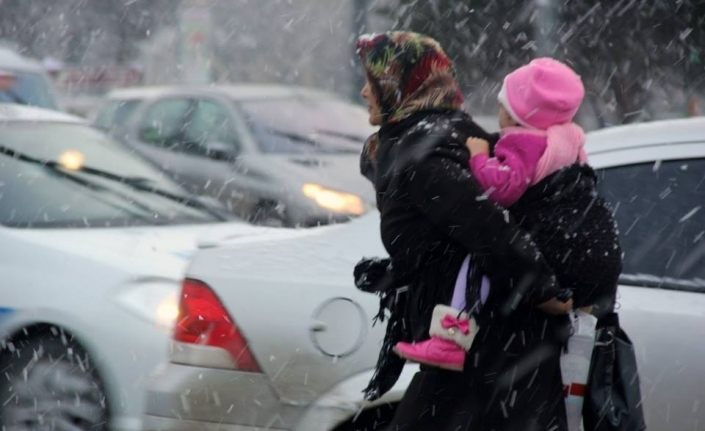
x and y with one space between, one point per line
115 114
660 212
210 128
164 122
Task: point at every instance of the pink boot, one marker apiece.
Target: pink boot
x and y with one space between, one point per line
451 334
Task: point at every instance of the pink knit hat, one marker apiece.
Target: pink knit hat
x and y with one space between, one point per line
541 94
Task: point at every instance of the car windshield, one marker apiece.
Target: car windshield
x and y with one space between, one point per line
30 88
306 125
70 175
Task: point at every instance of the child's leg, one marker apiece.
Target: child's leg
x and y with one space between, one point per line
484 290
461 285
452 332
458 300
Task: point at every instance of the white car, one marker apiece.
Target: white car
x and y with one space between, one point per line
286 341
94 243
299 346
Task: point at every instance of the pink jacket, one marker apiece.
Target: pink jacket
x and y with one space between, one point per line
523 157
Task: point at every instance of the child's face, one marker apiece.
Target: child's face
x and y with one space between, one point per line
505 120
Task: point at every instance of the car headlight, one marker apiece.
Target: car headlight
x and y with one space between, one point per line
73 160
156 302
333 200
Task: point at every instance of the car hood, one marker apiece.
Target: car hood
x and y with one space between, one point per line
339 172
162 250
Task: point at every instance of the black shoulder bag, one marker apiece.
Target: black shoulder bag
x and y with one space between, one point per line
613 396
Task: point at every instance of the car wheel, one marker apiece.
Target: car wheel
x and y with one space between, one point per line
48 382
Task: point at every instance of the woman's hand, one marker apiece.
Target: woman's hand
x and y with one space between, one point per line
477 146
557 307
373 274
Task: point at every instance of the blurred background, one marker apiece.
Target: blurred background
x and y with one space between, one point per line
640 60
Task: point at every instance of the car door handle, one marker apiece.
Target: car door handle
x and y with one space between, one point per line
318 326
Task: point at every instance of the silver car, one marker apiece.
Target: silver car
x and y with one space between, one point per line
295 345
273 154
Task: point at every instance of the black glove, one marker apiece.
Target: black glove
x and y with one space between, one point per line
373 275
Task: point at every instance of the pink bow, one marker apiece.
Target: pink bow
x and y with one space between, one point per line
461 324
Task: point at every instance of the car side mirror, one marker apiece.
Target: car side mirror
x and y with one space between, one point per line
217 150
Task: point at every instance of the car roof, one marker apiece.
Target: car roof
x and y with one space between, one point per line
686 130
11 60
240 92
11 112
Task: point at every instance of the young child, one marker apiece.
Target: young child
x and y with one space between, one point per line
538 138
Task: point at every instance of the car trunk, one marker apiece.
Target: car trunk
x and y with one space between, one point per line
306 323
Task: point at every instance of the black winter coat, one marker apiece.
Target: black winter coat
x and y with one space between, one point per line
432 215
576 233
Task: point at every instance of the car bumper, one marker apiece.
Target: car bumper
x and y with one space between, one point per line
182 397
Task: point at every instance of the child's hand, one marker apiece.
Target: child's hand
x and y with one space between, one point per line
477 146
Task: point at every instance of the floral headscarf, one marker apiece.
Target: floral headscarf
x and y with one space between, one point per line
408 72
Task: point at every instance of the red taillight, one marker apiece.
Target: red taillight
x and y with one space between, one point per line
203 320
